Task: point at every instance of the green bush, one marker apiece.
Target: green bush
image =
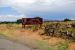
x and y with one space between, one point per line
63 46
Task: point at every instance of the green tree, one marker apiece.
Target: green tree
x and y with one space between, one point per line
19 20
67 19
37 17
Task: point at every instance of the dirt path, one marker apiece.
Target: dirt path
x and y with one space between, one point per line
10 45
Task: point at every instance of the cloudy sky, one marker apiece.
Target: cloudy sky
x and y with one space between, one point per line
48 9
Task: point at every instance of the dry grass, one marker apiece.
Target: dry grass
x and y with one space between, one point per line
33 39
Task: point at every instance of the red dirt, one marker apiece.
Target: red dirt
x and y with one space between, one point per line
72 46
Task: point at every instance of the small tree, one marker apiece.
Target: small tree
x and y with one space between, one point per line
19 20
67 19
37 17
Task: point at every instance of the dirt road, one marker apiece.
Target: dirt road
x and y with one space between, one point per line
10 45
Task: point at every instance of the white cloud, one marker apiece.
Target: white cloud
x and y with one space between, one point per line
39 5
25 6
11 17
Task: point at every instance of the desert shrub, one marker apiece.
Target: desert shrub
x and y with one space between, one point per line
59 30
49 29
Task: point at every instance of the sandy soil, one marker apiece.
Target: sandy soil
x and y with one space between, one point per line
35 35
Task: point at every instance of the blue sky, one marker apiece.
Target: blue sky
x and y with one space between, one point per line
8 10
9 14
11 10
